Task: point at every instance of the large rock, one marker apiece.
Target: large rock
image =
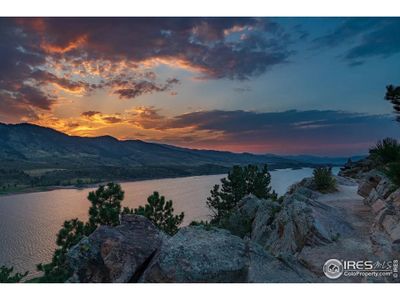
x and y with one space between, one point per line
195 254
115 254
304 221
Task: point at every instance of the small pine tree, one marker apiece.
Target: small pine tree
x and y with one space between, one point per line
106 205
386 151
105 210
241 181
393 95
7 277
69 235
160 212
324 180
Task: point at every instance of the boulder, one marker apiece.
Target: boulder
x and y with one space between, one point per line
195 254
115 254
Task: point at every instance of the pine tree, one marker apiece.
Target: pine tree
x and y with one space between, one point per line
393 95
241 181
106 205
7 277
160 212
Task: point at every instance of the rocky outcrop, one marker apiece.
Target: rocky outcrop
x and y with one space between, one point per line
115 254
195 254
252 218
264 240
304 221
357 169
384 199
262 223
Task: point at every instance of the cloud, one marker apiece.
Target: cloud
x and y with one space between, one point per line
131 89
314 131
367 37
212 45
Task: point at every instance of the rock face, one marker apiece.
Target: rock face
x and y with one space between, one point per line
302 222
195 254
252 218
115 254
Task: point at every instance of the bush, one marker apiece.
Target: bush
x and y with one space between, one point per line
393 172
324 180
6 277
241 181
160 212
386 151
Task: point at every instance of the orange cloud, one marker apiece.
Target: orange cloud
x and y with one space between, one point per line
52 48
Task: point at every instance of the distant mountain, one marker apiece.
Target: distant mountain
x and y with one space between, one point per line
31 146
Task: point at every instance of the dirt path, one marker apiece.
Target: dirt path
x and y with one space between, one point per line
355 245
355 212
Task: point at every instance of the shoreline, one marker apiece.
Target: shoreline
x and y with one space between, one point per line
49 188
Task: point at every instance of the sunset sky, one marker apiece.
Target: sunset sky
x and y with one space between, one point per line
269 85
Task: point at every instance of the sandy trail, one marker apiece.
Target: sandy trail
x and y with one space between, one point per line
356 245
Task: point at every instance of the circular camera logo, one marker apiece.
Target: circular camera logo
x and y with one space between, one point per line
333 269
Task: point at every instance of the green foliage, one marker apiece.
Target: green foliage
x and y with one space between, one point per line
206 225
106 205
393 172
7 277
393 95
324 180
386 151
241 181
160 212
69 235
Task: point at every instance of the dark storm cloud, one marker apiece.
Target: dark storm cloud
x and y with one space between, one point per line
234 48
90 113
366 37
200 42
18 55
132 89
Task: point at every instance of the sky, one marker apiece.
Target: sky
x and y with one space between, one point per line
260 85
